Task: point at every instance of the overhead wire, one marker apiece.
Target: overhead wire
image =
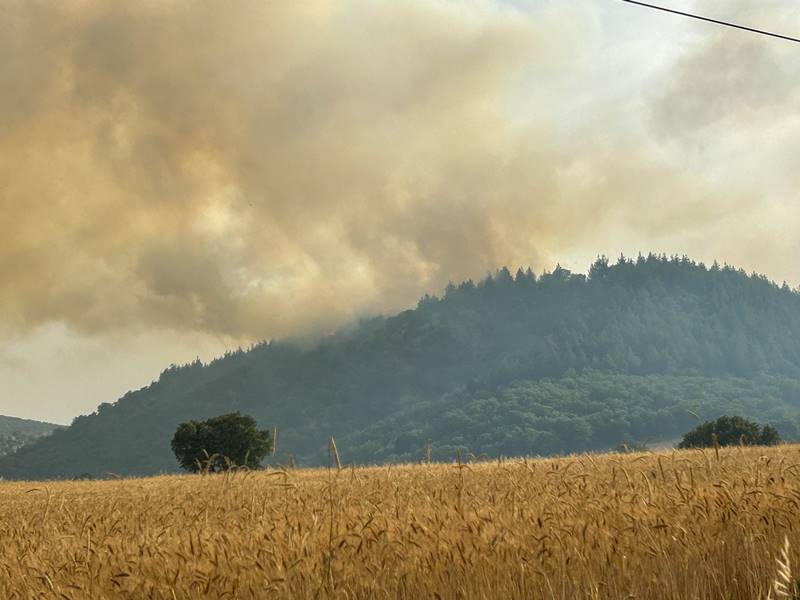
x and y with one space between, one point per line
715 21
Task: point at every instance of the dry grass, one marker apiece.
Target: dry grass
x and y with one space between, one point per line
669 525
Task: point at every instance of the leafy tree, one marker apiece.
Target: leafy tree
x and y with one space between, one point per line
218 443
730 431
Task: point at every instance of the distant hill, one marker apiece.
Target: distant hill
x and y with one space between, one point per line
513 364
15 432
15 424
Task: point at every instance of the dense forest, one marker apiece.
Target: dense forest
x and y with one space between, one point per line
512 364
15 432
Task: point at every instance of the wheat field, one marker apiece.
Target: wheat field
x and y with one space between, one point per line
677 524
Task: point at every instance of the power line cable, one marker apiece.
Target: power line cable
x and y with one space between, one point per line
716 21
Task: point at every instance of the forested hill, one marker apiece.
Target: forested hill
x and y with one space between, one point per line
515 363
15 432
15 425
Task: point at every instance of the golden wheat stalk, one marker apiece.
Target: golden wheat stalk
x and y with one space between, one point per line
783 585
334 452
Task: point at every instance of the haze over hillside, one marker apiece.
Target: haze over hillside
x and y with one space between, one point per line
15 432
11 424
515 364
187 176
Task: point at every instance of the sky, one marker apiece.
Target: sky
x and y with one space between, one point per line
179 178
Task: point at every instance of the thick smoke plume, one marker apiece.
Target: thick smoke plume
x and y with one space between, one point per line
255 169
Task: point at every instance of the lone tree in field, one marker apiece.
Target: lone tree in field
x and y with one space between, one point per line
730 431
220 443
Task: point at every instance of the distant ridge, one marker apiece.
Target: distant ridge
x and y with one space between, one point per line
16 433
29 426
514 364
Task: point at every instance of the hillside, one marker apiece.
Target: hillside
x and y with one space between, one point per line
511 365
15 432
29 426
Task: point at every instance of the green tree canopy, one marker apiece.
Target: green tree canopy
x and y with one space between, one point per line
730 431
221 442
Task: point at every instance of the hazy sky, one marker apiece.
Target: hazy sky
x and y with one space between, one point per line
180 177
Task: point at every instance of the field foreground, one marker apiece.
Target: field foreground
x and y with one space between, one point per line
669 525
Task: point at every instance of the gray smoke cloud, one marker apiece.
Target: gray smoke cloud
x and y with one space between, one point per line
258 169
